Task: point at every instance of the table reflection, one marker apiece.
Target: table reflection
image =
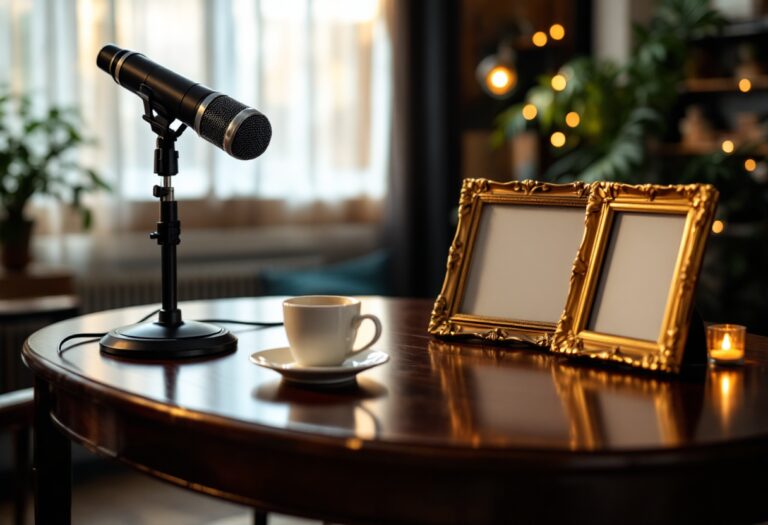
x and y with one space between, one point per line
525 397
334 411
726 393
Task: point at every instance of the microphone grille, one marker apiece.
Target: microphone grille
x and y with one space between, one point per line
252 138
239 130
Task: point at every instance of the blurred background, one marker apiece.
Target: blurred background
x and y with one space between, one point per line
379 109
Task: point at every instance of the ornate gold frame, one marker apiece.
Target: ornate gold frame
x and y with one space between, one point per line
475 193
697 202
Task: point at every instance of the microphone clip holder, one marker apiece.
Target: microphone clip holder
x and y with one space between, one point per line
170 336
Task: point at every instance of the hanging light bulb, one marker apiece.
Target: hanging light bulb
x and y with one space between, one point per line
497 73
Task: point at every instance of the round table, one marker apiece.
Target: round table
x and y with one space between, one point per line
446 432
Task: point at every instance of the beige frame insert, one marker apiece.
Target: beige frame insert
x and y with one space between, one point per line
696 203
447 319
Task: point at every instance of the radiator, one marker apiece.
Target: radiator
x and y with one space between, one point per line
106 294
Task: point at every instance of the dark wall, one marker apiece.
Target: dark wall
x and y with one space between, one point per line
426 143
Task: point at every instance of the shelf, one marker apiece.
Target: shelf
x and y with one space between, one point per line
743 29
746 28
722 85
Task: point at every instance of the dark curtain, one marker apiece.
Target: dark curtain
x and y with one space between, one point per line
425 167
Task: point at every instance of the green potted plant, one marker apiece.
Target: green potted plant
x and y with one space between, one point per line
37 157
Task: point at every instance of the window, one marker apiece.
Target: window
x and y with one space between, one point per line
319 69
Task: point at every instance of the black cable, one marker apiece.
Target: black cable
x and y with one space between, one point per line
146 317
100 335
77 336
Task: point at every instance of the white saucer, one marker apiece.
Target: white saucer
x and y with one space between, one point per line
280 360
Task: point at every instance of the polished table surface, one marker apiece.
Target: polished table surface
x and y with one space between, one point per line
446 432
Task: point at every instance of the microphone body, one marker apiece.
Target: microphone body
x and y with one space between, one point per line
242 132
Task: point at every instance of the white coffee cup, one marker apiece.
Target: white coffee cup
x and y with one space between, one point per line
322 329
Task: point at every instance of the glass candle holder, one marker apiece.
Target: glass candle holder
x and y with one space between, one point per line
725 344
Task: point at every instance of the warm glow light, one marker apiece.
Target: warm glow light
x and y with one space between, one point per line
539 39
725 344
745 85
750 165
727 146
530 112
558 82
557 32
725 384
500 80
718 226
557 139
572 119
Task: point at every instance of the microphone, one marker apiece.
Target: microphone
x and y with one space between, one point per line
241 131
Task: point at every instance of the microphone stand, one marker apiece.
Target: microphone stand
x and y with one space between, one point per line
169 337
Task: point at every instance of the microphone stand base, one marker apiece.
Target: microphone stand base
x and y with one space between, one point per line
152 340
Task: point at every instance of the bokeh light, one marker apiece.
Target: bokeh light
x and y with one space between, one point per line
558 82
557 32
572 119
530 112
539 39
745 85
557 139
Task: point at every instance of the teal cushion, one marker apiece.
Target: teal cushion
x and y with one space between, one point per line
367 275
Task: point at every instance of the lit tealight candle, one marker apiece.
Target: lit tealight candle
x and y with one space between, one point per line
725 344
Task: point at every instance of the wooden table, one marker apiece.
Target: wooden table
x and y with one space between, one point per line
443 433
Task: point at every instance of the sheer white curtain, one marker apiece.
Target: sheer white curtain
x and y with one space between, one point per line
319 69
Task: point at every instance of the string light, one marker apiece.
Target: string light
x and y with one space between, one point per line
557 32
557 139
745 85
727 146
750 165
539 39
558 82
718 227
530 112
572 119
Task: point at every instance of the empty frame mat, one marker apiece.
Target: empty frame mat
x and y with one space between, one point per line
520 263
638 269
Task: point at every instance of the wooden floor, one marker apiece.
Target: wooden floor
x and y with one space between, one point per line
121 496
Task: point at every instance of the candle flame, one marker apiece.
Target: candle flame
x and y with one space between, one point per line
727 342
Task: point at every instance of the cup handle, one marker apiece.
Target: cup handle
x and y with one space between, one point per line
358 320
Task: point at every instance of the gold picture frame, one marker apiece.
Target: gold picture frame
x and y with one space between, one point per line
638 264
507 270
